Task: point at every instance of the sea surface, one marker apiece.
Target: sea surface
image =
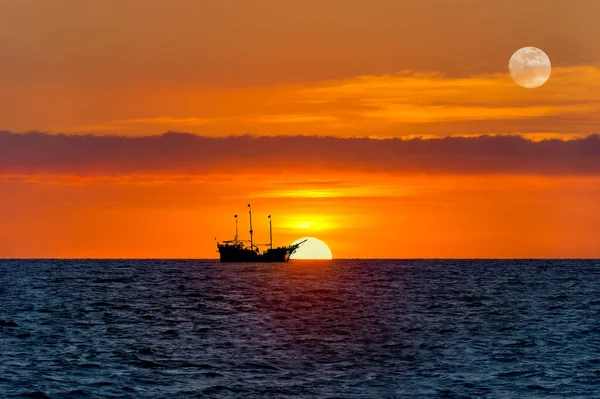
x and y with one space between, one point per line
338 329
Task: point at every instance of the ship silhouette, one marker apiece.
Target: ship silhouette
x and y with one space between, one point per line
236 250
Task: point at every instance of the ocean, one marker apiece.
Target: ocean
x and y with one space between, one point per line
338 329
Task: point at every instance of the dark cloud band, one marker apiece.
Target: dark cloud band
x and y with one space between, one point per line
41 153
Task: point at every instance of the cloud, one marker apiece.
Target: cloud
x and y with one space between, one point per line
162 120
128 124
394 105
182 154
296 118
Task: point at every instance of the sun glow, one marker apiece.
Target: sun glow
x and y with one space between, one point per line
313 248
310 222
304 225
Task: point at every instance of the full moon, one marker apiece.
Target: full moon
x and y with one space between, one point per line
529 67
313 248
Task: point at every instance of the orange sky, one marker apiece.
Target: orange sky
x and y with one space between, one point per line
353 69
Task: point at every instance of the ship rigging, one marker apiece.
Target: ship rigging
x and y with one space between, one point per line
236 251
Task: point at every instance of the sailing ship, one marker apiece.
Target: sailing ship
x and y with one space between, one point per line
236 250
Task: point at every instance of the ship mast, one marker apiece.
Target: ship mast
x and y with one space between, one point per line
250 213
236 228
270 233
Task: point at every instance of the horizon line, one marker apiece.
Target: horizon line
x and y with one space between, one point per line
300 260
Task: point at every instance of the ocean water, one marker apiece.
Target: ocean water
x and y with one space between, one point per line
339 329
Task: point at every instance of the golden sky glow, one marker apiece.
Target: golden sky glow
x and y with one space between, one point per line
272 70
403 104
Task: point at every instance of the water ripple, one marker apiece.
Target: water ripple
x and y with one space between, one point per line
343 329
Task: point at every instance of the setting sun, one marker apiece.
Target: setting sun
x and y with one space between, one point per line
313 248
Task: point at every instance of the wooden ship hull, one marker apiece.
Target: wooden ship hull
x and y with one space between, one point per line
230 253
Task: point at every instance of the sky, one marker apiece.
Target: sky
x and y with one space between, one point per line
385 128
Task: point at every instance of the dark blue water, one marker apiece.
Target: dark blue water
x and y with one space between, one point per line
340 329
